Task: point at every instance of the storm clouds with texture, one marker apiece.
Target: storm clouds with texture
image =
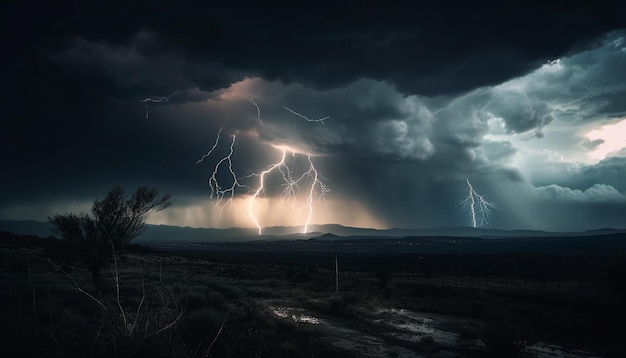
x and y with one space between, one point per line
527 100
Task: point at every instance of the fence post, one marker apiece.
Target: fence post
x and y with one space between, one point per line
580 289
336 274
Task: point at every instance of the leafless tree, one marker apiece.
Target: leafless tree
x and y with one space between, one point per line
114 222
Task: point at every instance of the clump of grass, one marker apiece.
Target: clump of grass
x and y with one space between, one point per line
230 292
261 292
336 305
200 325
214 299
196 300
467 331
114 319
288 349
192 301
503 339
285 324
427 340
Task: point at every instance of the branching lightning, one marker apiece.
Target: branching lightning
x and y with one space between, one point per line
261 188
323 189
316 189
156 100
218 191
479 207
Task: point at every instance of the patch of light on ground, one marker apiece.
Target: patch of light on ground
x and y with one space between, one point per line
290 312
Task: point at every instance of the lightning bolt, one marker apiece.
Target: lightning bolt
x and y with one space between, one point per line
317 188
218 191
261 188
305 117
479 207
323 189
291 184
217 141
258 109
156 100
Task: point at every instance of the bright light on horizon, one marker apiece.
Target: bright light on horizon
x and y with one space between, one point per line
271 211
613 137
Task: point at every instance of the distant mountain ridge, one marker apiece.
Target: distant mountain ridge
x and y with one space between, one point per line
166 233
27 227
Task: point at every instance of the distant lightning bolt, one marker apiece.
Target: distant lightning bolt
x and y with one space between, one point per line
224 193
290 185
156 100
261 188
216 190
479 207
316 182
317 188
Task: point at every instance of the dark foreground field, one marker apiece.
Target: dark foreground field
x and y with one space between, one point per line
421 297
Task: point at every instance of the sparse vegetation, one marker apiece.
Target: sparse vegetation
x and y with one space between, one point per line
427 340
336 305
114 222
141 308
504 339
159 304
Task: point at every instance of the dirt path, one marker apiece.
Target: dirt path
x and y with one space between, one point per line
391 332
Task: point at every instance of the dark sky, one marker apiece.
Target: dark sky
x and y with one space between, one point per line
525 100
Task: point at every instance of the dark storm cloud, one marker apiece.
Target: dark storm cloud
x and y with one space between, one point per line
611 103
520 113
595 193
434 48
371 119
498 151
610 171
419 98
390 150
576 89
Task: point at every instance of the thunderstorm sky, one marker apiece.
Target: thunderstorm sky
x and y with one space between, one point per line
525 99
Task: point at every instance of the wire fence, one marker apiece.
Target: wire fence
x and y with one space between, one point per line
531 285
